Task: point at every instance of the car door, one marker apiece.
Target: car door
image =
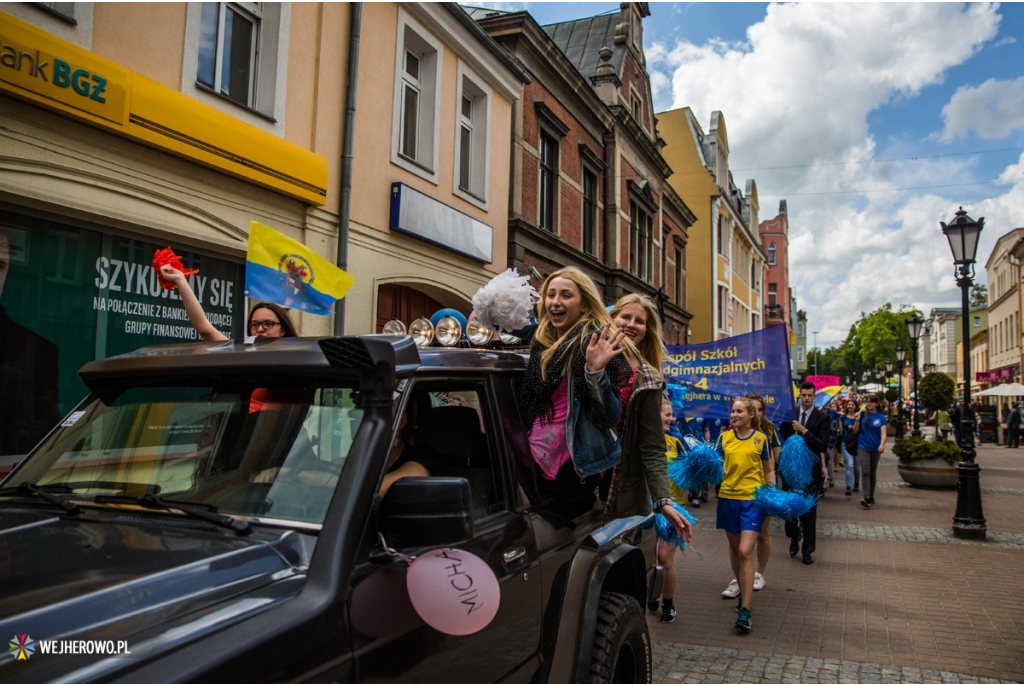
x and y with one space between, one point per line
392 643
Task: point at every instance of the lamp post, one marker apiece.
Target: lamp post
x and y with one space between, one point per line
901 354
914 329
968 521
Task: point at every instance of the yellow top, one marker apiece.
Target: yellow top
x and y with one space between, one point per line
743 468
673 448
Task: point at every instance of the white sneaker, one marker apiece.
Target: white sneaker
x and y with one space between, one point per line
732 591
758 581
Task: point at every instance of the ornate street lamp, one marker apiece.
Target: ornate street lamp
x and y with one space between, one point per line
968 521
914 324
901 355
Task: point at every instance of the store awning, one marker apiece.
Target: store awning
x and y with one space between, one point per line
1004 390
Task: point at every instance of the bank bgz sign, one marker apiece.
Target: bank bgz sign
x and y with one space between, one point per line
35 67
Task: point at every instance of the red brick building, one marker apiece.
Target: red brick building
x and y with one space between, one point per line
588 179
775 242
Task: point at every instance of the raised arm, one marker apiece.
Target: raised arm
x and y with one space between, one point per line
194 310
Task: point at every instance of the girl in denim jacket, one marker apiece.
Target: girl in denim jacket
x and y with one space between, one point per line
569 399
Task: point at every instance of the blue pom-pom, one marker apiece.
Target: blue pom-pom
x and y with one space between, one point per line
667 532
788 506
697 469
797 462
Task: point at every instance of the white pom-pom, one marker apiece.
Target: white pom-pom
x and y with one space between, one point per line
506 302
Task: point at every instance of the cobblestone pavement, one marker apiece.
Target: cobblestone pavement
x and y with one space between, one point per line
892 595
692 664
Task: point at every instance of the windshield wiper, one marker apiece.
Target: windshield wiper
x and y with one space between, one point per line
69 507
205 512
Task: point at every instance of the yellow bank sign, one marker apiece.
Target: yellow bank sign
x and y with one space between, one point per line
35 67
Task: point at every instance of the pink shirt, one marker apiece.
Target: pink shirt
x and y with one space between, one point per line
547 440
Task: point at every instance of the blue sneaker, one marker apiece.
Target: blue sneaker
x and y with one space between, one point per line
743 622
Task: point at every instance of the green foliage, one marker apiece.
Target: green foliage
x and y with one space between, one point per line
892 394
910 449
935 391
979 295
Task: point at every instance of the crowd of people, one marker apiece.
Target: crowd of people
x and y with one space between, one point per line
600 426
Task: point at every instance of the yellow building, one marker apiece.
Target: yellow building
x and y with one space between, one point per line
726 262
129 127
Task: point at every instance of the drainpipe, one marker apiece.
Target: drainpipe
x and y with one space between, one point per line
347 138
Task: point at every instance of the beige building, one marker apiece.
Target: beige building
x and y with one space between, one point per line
726 268
129 127
1004 337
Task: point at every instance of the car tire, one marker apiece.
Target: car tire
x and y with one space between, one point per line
622 645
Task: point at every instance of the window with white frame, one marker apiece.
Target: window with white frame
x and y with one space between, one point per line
723 297
416 114
771 253
229 50
472 140
64 10
799 354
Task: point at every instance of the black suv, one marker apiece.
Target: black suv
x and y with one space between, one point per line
213 510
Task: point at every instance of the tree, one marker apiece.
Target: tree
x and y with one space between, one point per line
892 395
935 391
874 338
979 295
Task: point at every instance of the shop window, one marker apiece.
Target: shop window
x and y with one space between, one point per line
70 295
548 212
238 52
589 212
416 116
471 161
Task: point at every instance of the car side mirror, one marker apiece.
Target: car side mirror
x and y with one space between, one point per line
427 512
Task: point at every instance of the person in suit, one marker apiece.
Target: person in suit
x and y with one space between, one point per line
813 426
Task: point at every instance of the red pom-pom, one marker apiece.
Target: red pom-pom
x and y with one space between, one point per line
167 256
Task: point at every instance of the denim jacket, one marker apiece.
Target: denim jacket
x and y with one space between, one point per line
593 449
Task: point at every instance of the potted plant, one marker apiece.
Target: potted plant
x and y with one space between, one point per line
927 464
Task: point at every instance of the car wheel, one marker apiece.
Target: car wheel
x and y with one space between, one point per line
622 645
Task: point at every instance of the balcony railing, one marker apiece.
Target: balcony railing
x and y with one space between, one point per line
774 311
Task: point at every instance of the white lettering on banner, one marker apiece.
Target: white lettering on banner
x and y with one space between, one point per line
222 322
141 279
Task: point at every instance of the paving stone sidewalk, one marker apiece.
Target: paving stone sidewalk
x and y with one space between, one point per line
892 595
679 663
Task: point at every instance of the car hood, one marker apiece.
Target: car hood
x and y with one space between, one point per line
127 572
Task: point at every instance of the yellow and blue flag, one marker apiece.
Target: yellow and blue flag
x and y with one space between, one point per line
284 271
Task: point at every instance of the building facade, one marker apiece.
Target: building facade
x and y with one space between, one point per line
206 116
775 243
431 153
1002 272
588 177
798 353
942 339
727 263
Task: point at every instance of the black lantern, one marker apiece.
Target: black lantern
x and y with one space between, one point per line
914 327
963 233
901 354
888 366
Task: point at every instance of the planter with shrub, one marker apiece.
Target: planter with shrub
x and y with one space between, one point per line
927 464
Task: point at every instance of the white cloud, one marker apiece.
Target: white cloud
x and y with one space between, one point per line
797 93
992 110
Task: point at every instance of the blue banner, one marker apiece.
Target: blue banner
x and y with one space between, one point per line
703 380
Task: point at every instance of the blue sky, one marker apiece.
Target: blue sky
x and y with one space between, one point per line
873 121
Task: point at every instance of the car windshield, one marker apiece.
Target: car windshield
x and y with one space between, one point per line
268 453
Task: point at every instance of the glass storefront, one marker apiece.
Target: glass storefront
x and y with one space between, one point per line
69 295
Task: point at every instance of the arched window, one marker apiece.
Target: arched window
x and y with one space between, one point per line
800 329
771 253
799 354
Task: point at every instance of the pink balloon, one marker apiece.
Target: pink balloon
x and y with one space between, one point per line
453 591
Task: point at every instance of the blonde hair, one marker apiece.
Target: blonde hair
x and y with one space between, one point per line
652 347
759 423
748 403
593 315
